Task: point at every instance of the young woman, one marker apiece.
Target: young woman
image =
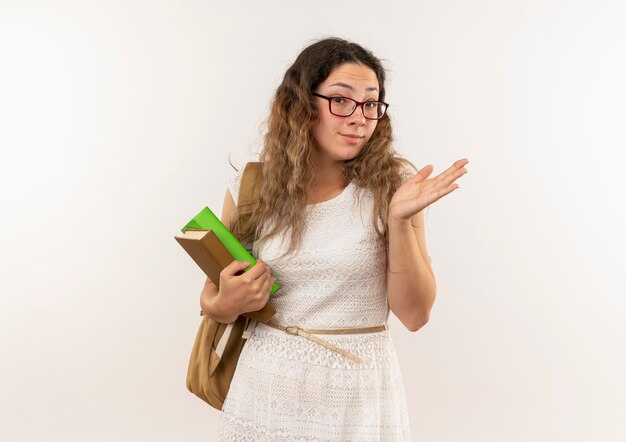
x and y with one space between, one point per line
340 224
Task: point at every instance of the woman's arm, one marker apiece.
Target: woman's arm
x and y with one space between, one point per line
410 280
237 294
411 283
210 291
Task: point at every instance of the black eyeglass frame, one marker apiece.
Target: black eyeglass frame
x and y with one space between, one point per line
357 105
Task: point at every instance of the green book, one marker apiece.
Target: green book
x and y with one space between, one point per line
206 220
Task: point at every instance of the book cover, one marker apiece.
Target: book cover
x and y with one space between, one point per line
207 251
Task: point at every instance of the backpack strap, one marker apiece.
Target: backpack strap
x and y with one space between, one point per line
249 193
247 202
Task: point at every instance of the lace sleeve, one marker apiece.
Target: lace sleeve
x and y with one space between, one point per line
407 172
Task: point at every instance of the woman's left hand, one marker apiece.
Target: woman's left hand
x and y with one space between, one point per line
421 191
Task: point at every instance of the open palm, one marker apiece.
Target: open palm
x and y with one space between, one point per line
421 191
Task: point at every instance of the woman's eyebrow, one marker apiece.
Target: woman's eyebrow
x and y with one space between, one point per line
347 86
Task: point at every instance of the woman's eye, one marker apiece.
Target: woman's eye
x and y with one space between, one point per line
371 104
338 100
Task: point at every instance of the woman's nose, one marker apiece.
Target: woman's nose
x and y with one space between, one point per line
357 117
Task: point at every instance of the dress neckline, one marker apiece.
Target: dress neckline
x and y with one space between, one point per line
333 199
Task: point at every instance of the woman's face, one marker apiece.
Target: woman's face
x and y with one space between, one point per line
342 138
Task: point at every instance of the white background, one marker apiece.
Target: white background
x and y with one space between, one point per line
116 122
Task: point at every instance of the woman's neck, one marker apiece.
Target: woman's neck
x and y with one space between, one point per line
331 179
327 173
327 183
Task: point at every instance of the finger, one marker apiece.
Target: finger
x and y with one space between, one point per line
462 162
450 178
439 190
437 195
267 286
446 177
257 270
422 174
458 164
234 267
261 280
450 175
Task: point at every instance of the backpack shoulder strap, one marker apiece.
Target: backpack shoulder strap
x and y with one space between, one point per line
248 200
249 191
249 187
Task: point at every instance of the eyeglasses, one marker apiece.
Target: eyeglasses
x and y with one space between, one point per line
344 107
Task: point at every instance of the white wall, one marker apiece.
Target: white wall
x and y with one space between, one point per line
116 121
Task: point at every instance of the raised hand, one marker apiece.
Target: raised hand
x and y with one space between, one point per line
421 191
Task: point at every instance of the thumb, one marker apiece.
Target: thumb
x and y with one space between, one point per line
235 267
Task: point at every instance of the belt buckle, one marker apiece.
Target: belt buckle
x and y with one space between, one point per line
292 330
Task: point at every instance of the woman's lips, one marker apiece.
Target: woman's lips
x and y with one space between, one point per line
351 138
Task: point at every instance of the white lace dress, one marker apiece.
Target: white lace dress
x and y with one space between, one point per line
287 388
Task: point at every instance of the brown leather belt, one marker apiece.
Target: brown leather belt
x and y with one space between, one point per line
309 333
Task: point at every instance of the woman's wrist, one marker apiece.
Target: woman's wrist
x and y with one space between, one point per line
212 307
398 223
215 309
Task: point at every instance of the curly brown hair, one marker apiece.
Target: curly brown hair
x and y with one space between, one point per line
289 142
